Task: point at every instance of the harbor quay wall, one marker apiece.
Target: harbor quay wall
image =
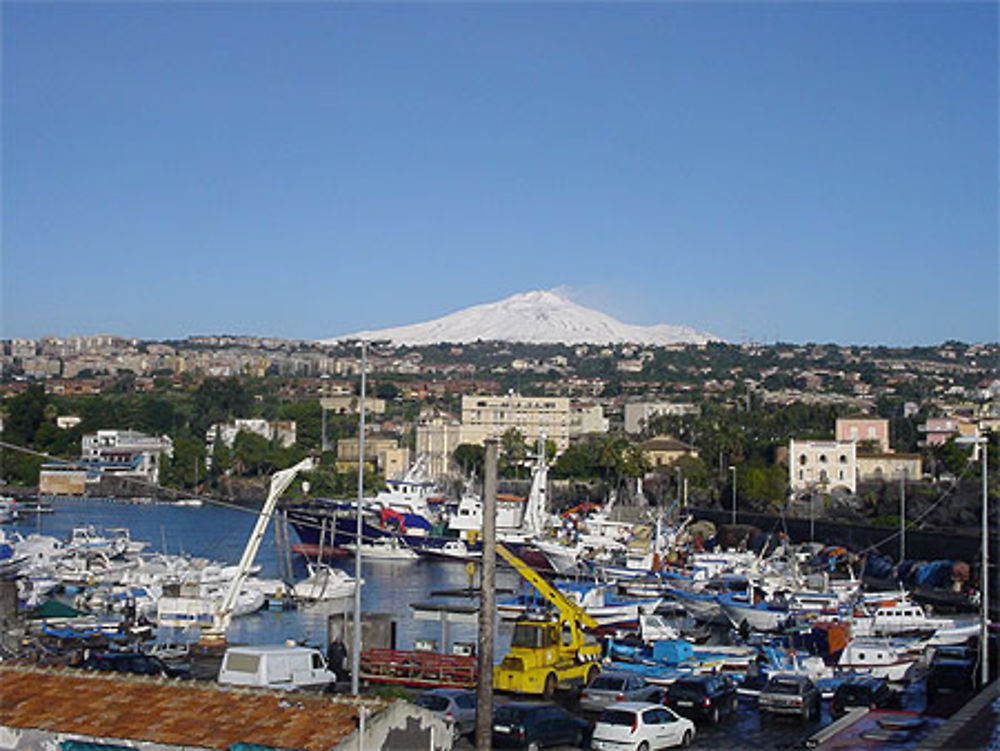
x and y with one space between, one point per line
920 544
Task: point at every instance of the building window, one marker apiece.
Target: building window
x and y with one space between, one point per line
822 458
803 460
843 458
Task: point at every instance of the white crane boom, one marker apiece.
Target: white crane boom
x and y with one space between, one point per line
279 483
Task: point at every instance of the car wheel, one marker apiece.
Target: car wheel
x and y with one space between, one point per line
715 715
592 672
642 747
686 740
550 686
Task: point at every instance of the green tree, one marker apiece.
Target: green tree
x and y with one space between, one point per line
470 458
387 391
252 454
513 452
219 400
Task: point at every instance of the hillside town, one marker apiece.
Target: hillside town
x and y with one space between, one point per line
770 424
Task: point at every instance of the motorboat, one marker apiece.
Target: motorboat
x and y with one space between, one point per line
386 549
878 657
324 583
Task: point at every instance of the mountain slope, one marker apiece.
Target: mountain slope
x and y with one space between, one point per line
539 317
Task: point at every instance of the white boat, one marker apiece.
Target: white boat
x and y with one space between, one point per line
324 583
188 612
762 616
877 657
455 550
889 619
386 549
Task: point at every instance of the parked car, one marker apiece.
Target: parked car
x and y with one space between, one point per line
706 697
535 725
640 726
862 691
949 672
135 663
791 695
614 686
457 705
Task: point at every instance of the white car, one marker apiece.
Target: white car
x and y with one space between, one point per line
640 726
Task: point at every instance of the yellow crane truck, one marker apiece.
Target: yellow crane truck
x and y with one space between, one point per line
548 651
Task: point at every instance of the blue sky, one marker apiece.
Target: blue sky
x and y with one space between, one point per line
799 171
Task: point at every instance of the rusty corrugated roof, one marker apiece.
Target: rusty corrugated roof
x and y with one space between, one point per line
179 713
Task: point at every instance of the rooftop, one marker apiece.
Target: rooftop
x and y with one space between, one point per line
174 713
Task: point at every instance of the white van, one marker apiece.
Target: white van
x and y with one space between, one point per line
287 667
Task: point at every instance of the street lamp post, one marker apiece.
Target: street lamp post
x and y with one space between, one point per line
359 526
732 468
902 516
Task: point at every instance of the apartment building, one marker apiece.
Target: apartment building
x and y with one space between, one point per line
638 414
862 428
491 416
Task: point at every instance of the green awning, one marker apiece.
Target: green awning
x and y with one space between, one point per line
55 609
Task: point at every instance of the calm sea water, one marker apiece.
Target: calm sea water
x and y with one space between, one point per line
221 534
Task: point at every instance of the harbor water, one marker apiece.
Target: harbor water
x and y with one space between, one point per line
220 533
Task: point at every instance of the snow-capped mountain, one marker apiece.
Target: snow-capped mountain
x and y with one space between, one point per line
539 317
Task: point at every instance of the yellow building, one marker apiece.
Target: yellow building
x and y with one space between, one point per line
664 450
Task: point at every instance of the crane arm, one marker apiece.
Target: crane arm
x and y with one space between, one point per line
565 605
279 483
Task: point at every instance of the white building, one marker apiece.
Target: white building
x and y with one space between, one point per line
127 453
822 466
281 431
586 418
491 416
638 414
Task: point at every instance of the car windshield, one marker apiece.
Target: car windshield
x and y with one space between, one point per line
608 683
617 717
782 687
506 715
682 688
432 702
853 694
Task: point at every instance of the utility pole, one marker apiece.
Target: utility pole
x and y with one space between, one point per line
984 635
487 604
356 640
732 468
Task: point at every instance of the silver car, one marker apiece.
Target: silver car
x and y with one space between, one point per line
614 686
456 705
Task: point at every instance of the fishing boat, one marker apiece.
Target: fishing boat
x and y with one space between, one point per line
878 657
